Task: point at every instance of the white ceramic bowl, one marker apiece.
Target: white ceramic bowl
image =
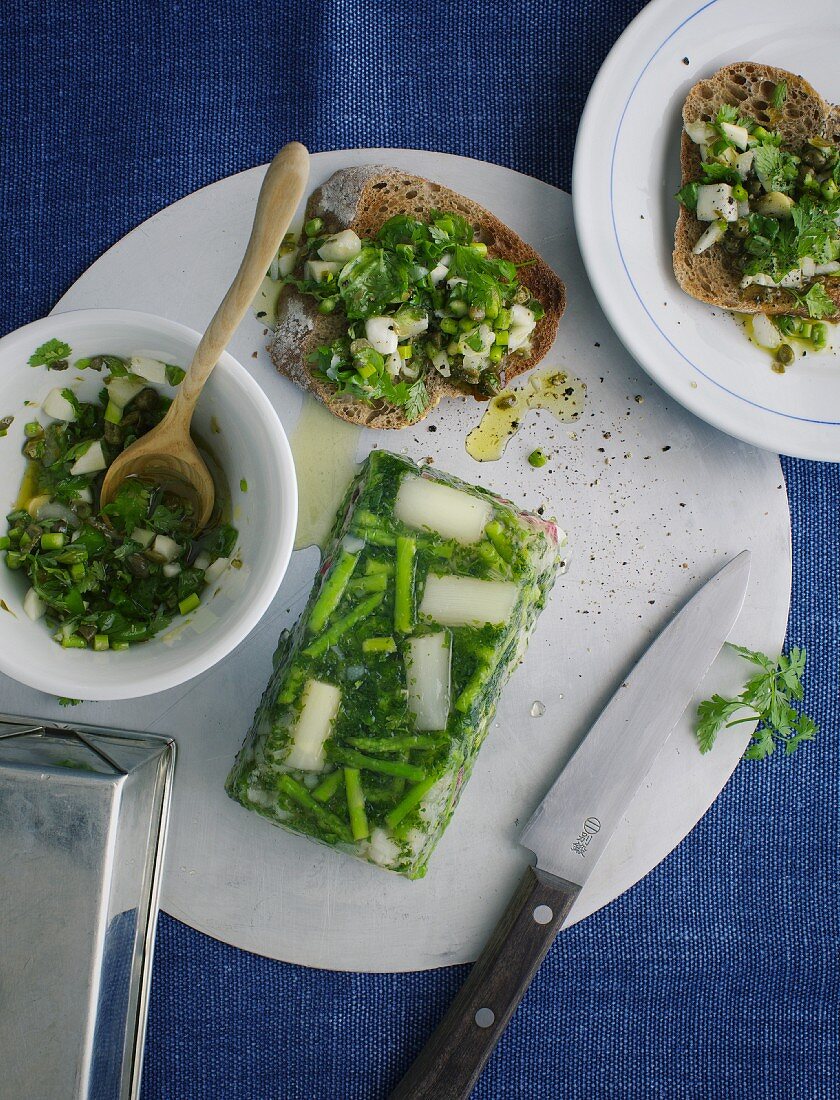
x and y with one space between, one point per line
249 443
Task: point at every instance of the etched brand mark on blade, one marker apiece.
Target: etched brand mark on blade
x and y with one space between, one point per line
590 827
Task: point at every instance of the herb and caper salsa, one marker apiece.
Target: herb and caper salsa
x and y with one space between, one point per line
385 689
418 297
105 578
774 211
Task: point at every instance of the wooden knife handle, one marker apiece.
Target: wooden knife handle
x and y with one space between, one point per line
451 1061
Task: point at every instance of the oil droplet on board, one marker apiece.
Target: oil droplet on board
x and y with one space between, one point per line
324 449
537 709
553 389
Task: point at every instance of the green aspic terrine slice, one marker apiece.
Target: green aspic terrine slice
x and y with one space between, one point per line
384 690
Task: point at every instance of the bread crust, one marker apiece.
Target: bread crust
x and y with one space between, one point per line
710 277
363 198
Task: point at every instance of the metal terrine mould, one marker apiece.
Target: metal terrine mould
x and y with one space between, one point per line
83 815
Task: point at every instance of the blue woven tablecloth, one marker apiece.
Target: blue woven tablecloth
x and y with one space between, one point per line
715 977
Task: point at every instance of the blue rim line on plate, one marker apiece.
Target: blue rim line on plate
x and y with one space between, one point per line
665 337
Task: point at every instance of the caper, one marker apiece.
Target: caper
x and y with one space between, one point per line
146 400
740 228
112 432
785 354
137 565
505 401
490 383
34 448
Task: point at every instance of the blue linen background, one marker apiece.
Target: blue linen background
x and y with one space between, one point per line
715 977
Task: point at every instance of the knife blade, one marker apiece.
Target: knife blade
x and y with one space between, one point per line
570 829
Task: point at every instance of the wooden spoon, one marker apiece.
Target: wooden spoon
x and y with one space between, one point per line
167 455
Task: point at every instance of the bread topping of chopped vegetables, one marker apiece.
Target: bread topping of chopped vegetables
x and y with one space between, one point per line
384 691
105 579
772 209
420 296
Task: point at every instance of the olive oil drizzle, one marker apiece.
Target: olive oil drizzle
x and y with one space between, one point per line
552 389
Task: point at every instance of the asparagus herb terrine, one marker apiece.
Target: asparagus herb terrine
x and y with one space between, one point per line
385 689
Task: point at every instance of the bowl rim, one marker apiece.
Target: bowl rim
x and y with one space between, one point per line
24 670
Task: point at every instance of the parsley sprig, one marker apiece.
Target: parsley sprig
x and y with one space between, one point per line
769 696
53 351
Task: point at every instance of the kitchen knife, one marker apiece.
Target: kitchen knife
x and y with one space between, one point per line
569 831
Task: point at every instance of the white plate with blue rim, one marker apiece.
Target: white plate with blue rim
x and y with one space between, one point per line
626 172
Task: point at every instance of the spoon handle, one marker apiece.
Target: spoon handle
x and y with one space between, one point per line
281 191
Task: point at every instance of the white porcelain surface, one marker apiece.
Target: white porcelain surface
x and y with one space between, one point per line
653 500
249 445
626 172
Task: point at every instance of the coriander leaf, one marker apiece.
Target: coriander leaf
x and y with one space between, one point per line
174 375
779 94
417 400
372 281
818 302
719 173
713 714
776 169
687 195
54 351
768 696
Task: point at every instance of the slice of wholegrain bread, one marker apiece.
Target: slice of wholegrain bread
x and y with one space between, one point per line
362 199
712 277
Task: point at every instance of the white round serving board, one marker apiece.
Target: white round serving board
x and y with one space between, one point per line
654 502
627 169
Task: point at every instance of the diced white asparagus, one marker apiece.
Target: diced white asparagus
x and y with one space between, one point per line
341 246
765 332
522 324
701 133
33 605
215 569
285 264
382 849
56 405
381 335
151 369
202 560
714 201
91 461
166 548
144 536
775 204
313 726
428 678
712 235
744 163
123 390
441 363
410 323
740 135
317 270
425 504
466 601
171 569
